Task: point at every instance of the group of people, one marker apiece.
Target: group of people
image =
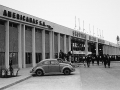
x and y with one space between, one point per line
104 59
64 56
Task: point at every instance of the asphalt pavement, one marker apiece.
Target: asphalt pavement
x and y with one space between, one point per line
100 78
93 78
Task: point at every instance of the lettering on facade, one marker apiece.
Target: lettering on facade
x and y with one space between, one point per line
101 41
24 18
92 38
78 34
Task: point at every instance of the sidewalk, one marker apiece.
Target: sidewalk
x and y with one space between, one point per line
23 74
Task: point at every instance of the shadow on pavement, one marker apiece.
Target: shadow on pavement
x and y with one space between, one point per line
34 75
9 76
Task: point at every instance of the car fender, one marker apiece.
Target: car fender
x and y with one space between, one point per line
40 68
65 67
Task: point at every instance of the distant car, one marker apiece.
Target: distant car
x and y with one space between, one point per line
48 66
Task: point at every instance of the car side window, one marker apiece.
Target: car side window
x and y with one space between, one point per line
46 62
54 62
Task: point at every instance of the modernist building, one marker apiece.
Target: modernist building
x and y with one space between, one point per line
27 39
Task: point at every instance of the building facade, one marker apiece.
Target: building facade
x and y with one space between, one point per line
27 39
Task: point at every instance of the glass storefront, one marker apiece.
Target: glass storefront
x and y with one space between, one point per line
14 57
2 59
38 57
92 47
78 49
47 55
29 58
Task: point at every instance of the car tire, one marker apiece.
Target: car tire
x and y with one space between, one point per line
39 73
66 72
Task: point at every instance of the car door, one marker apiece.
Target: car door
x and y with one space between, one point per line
54 66
45 66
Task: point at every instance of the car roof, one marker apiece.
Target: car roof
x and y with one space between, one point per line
48 59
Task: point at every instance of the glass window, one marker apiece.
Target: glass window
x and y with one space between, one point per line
2 59
28 58
46 62
38 57
56 55
13 25
28 28
54 62
14 57
2 22
47 55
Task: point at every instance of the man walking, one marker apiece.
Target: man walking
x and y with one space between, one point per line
88 60
97 58
105 60
93 59
109 59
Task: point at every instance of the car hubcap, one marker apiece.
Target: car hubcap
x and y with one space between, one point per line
66 72
39 73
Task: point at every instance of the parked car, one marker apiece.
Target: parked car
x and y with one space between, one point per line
52 66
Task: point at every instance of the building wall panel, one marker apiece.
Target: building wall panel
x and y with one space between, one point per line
47 42
13 39
28 40
38 41
55 43
62 43
67 44
2 38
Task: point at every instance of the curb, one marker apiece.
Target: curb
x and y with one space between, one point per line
12 84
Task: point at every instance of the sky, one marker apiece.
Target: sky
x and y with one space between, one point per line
100 18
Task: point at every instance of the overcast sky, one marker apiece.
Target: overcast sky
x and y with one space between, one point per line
102 14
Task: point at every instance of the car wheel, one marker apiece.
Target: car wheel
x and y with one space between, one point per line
66 71
39 72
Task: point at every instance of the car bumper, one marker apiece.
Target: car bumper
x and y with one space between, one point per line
32 71
73 69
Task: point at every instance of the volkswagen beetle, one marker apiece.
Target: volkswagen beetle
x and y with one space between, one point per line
48 66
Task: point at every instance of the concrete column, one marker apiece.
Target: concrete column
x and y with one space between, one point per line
7 44
69 38
86 47
53 47
33 47
43 44
50 39
19 47
96 48
65 44
69 43
24 64
58 44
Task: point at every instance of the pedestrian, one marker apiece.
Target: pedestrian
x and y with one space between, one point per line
105 60
93 59
84 60
97 58
61 54
102 59
10 67
88 60
109 59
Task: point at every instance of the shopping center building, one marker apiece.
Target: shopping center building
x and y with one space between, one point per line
27 39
